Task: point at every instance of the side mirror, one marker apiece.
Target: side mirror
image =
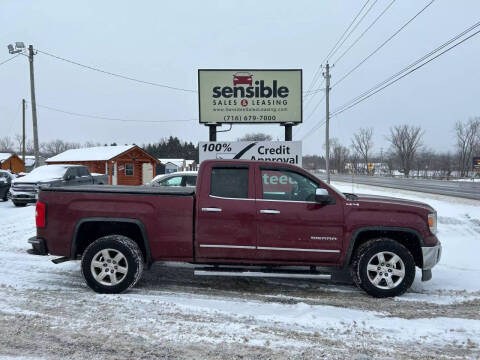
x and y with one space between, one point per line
68 177
322 197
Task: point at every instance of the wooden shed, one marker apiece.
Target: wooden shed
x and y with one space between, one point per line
11 162
125 165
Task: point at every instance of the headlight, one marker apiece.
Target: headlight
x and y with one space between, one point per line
44 185
432 222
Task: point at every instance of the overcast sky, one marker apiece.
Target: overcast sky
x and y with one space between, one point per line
167 41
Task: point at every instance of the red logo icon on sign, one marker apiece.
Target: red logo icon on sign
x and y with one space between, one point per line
242 78
244 102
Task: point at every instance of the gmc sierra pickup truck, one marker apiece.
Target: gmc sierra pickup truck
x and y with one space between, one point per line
244 218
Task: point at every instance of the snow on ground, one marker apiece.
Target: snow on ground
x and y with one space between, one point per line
46 311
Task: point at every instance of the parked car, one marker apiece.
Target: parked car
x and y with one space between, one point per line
180 178
6 178
242 213
24 190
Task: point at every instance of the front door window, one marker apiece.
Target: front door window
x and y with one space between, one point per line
287 185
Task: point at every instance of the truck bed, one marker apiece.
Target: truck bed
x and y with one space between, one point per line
125 189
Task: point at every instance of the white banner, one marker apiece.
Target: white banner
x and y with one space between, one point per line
289 152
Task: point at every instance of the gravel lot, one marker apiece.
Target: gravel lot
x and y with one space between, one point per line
47 312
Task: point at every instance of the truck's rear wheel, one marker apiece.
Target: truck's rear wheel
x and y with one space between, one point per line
383 268
112 264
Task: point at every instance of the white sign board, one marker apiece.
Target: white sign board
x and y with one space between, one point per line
250 96
289 152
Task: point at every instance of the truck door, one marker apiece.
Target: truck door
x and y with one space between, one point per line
291 226
225 221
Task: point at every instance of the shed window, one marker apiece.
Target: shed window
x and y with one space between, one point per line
129 169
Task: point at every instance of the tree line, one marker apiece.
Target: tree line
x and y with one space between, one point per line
406 155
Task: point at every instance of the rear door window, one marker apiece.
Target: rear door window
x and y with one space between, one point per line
229 182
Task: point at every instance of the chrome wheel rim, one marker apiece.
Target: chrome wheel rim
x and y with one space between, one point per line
385 270
109 267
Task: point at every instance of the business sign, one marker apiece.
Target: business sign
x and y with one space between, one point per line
288 152
250 96
476 164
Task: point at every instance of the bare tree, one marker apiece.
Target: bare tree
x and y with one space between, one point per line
7 144
339 155
468 135
256 137
405 141
362 144
55 147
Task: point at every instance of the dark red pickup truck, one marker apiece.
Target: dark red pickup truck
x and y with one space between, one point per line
267 219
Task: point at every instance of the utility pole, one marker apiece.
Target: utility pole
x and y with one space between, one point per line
34 105
326 74
23 128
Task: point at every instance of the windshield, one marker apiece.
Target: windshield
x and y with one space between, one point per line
47 172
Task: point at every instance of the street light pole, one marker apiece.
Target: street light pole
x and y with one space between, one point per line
34 105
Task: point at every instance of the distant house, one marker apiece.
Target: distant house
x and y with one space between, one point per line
12 162
168 166
30 162
125 165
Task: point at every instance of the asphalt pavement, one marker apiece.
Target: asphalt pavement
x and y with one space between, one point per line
463 189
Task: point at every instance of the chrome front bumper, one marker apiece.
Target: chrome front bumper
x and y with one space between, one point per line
431 256
23 196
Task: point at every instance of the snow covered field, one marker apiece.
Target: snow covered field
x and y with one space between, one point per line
47 312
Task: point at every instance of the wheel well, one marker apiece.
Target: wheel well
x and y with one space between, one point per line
90 231
408 239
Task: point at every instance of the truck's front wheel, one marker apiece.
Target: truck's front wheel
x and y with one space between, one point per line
112 264
383 268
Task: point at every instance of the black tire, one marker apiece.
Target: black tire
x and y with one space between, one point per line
132 261
20 204
367 252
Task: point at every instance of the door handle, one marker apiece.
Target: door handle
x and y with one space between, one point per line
269 212
211 210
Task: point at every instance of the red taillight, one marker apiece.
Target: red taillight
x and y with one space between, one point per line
40 214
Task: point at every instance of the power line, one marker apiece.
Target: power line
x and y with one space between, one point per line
354 28
390 81
317 72
9 59
365 31
336 48
109 118
117 75
411 65
383 44
346 30
335 113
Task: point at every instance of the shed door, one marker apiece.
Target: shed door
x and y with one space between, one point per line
114 175
147 173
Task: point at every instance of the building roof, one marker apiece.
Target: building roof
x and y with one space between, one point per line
176 162
4 156
97 153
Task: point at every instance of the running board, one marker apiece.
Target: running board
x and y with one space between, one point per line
292 275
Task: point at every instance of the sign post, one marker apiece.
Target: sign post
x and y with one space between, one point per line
476 165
